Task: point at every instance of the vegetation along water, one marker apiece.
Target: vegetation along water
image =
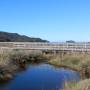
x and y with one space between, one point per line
20 65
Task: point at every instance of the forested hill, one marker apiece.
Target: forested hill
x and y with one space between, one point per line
14 37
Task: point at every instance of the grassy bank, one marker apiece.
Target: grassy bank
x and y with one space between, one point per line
13 60
82 85
78 62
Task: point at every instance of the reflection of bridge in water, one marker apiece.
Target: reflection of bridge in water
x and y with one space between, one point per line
53 46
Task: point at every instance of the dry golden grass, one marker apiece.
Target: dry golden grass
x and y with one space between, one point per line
74 61
82 85
8 57
5 57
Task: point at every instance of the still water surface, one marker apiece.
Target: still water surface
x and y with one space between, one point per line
40 77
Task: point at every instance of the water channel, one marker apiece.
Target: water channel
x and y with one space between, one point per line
40 77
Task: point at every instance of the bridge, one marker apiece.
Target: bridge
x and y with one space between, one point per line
53 46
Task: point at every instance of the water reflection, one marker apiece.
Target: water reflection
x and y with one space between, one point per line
41 77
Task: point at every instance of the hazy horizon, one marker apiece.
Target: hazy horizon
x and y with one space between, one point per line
53 20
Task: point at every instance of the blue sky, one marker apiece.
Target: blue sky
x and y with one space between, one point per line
54 20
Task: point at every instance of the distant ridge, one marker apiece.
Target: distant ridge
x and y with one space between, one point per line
15 37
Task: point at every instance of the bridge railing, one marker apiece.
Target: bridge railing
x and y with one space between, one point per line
83 46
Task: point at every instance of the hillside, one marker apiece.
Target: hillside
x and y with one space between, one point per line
14 37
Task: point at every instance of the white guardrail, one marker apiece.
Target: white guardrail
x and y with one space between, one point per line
77 46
